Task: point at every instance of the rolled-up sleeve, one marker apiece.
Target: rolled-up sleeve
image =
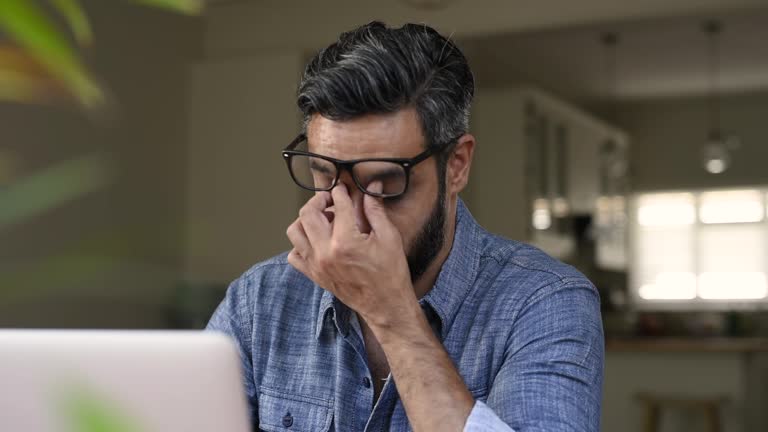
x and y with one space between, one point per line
483 419
552 374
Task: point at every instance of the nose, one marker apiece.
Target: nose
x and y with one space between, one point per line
357 196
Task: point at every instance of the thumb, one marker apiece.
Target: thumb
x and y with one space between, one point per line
374 208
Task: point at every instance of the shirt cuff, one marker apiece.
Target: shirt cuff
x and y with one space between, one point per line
483 419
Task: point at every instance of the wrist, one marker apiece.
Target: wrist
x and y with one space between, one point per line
408 325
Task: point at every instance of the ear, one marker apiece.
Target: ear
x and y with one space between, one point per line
457 172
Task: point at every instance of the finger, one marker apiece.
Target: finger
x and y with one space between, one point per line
344 211
374 209
314 221
320 201
298 239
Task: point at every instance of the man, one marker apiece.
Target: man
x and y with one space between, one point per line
394 310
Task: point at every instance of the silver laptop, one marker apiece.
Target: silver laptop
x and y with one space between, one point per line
120 381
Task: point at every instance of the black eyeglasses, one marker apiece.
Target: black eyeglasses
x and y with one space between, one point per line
321 173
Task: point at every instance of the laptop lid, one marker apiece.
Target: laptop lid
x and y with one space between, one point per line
120 381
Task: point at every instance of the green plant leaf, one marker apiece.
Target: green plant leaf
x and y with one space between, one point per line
38 278
52 187
190 7
24 79
19 87
76 18
88 411
27 24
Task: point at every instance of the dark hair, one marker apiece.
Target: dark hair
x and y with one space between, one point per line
375 69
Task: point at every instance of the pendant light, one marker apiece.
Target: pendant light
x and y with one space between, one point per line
717 150
613 168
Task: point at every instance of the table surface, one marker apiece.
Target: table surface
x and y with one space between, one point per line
679 344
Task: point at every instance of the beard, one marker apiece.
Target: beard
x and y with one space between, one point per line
430 239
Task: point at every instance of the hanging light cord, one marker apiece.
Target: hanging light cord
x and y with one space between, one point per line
609 41
713 29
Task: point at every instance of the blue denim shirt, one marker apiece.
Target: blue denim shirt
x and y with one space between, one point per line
523 329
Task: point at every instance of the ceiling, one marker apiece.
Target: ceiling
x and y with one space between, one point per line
654 58
662 50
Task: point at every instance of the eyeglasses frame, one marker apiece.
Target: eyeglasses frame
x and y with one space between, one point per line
407 163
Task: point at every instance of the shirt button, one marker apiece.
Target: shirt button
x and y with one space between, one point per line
366 382
288 420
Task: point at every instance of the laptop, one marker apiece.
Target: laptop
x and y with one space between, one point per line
120 381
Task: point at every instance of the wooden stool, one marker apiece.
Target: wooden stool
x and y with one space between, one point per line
654 404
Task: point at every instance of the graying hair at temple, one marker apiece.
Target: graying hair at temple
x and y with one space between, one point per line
376 69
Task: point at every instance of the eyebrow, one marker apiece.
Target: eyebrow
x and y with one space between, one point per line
374 158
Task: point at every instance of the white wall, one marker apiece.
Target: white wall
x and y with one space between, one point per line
495 193
110 258
240 198
252 26
667 137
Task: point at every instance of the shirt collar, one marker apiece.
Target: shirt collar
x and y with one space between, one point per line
451 287
339 313
458 272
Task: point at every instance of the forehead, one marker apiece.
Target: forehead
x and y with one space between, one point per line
397 134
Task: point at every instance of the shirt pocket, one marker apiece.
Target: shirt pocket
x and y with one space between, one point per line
279 412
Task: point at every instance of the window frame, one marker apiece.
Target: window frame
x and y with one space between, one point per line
697 227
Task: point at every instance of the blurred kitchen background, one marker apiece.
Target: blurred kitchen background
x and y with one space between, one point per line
140 169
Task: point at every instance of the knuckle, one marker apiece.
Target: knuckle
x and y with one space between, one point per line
336 245
338 248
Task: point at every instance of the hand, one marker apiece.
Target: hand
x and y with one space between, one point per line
369 273
366 271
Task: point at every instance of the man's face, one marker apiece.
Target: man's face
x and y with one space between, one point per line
419 214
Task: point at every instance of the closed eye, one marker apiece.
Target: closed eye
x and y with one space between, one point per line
321 168
383 176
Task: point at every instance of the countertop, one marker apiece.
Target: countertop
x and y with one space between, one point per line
692 344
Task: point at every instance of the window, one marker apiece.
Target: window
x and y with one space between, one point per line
700 249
